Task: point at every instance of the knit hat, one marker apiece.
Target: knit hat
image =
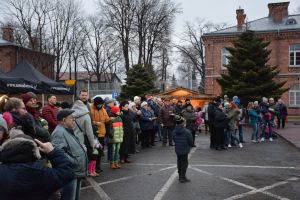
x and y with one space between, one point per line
236 100
44 122
144 104
27 96
63 114
255 103
98 100
179 119
115 109
3 123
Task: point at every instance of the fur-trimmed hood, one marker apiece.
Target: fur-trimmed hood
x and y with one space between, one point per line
19 150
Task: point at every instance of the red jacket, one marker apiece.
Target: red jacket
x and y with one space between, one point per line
49 113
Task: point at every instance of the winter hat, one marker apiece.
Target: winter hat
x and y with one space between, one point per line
27 96
64 113
115 109
3 123
98 100
179 119
144 104
187 99
136 98
255 103
236 100
65 105
44 122
19 150
8 118
108 101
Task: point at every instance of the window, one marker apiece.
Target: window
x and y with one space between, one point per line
291 21
224 54
294 95
294 55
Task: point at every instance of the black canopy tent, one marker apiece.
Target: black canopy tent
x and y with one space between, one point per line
29 73
16 85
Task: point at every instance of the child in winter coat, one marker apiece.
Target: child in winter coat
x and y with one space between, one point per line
93 158
183 142
116 137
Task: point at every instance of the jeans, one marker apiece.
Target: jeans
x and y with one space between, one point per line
167 135
280 120
254 131
182 165
231 137
241 138
115 152
71 191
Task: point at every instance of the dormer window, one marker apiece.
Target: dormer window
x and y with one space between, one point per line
291 21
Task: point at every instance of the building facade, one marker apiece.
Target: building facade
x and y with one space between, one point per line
280 29
12 54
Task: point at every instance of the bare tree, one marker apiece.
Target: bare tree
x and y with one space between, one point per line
101 52
62 19
119 15
154 19
193 47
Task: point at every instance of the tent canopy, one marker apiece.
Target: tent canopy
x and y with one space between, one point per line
16 85
29 73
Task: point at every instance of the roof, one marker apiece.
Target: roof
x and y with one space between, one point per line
83 75
181 92
265 24
6 42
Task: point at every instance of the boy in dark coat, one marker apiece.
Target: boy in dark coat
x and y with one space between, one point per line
183 142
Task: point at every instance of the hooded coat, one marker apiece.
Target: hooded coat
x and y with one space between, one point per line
23 176
83 125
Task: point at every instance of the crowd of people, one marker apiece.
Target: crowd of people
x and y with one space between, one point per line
72 137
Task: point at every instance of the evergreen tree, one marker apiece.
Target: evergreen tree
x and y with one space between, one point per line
138 83
249 76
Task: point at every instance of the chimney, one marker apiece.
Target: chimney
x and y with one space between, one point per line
277 11
240 16
8 33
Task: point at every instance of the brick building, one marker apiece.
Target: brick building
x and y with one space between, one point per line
283 32
11 54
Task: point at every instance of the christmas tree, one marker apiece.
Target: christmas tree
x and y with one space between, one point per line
249 76
138 83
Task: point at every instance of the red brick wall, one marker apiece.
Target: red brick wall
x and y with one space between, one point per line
279 56
10 55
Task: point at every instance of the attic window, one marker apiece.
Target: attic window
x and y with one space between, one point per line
291 21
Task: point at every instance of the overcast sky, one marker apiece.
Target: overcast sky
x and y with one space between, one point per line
216 11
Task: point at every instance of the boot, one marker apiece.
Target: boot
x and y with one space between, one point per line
117 165
113 165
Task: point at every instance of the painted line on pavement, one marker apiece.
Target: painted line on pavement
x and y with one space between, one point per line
130 177
263 190
248 166
98 189
253 189
160 194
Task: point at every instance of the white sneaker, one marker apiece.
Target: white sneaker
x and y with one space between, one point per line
271 139
262 139
229 146
240 145
254 141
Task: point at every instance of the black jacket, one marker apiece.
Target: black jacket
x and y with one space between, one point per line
32 180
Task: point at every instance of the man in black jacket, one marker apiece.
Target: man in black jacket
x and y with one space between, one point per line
212 106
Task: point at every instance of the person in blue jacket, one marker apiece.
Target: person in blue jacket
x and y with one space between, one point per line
183 140
24 176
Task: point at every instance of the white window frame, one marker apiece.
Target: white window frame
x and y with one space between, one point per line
294 51
294 95
224 54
